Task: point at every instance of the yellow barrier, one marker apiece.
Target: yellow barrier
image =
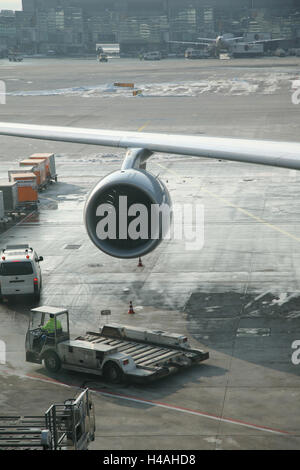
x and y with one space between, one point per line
128 85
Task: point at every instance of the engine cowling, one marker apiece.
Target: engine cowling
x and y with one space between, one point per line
128 213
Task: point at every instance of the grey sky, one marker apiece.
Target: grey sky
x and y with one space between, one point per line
10 4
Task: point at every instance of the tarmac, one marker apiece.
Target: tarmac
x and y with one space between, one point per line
237 297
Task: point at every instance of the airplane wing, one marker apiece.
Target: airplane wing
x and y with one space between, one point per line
233 39
260 41
189 42
207 39
273 153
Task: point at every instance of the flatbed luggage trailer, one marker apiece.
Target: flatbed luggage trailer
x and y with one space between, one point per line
155 353
117 352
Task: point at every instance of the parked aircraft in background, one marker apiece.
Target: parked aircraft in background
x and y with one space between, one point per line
226 42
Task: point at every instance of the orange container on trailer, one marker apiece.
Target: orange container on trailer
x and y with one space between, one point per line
49 162
27 186
38 168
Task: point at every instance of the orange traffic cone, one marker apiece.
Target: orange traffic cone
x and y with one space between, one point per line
140 265
130 311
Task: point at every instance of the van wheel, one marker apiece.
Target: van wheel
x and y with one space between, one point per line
52 362
112 373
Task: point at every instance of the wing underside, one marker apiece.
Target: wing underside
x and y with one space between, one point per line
196 43
262 41
273 153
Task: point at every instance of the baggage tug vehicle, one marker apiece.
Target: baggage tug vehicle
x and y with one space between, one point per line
117 352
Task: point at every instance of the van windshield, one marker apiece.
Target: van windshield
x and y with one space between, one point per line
17 268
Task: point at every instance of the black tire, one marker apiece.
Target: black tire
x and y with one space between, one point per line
37 297
112 373
52 362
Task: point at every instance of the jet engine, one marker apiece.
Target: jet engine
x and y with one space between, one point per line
128 213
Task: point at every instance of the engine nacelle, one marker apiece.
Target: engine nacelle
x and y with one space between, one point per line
128 213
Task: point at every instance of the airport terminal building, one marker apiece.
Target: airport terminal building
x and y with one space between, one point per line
75 26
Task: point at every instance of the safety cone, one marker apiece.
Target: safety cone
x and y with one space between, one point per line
130 311
140 265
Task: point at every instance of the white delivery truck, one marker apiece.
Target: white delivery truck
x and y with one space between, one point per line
2 218
116 352
20 272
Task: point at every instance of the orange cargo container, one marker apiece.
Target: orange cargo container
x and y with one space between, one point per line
38 168
27 187
49 159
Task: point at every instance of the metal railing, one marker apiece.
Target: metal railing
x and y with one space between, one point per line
67 426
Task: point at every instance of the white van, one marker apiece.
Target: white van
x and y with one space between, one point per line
156 55
20 272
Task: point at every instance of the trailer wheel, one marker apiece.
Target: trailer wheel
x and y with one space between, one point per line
52 362
37 297
112 373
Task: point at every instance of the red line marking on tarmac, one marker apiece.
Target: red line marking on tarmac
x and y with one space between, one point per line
48 379
171 407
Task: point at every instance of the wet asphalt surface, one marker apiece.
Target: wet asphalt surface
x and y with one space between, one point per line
238 297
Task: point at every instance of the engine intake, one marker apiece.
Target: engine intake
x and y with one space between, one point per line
128 213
